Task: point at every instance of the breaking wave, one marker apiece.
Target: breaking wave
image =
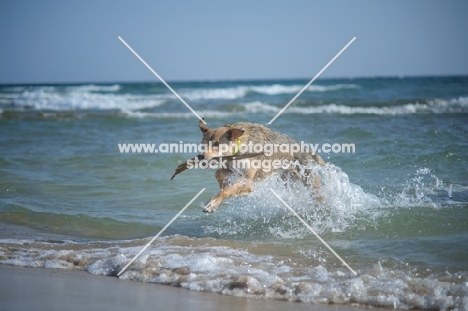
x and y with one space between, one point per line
85 97
204 265
458 105
105 97
455 105
230 101
243 91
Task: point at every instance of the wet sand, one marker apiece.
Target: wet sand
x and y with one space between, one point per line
51 289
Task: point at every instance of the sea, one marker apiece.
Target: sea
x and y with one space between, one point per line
395 208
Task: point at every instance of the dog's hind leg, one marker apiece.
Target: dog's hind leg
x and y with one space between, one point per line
309 178
316 185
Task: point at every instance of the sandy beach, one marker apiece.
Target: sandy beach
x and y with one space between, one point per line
51 289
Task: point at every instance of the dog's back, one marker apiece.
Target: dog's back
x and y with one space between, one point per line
258 134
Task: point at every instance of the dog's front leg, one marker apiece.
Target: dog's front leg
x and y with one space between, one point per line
243 186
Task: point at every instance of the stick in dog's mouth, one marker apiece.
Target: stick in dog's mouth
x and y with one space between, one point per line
182 167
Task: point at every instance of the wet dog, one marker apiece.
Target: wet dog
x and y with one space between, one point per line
251 153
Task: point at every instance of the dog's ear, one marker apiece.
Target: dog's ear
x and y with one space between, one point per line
203 127
234 134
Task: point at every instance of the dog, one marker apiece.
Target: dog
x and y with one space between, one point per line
242 168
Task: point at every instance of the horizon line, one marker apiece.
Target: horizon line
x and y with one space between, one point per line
415 76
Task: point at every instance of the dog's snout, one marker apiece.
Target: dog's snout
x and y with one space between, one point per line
200 157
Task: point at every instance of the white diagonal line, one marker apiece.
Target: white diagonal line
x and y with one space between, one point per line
159 233
162 80
313 79
312 230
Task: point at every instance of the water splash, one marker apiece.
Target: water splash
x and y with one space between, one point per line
423 189
260 214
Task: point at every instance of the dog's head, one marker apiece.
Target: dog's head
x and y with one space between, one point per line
221 141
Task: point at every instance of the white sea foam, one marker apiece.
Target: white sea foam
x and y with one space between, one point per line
242 91
459 105
277 89
257 106
110 97
94 88
214 93
328 88
455 105
80 98
204 265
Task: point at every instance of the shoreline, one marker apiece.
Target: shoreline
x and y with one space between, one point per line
53 289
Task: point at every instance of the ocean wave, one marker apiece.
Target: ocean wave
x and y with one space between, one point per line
95 88
212 114
277 89
251 107
214 93
205 265
455 105
79 98
93 96
243 91
113 97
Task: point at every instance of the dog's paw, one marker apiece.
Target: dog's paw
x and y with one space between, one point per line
210 207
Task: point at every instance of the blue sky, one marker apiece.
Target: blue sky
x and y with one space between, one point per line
76 41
